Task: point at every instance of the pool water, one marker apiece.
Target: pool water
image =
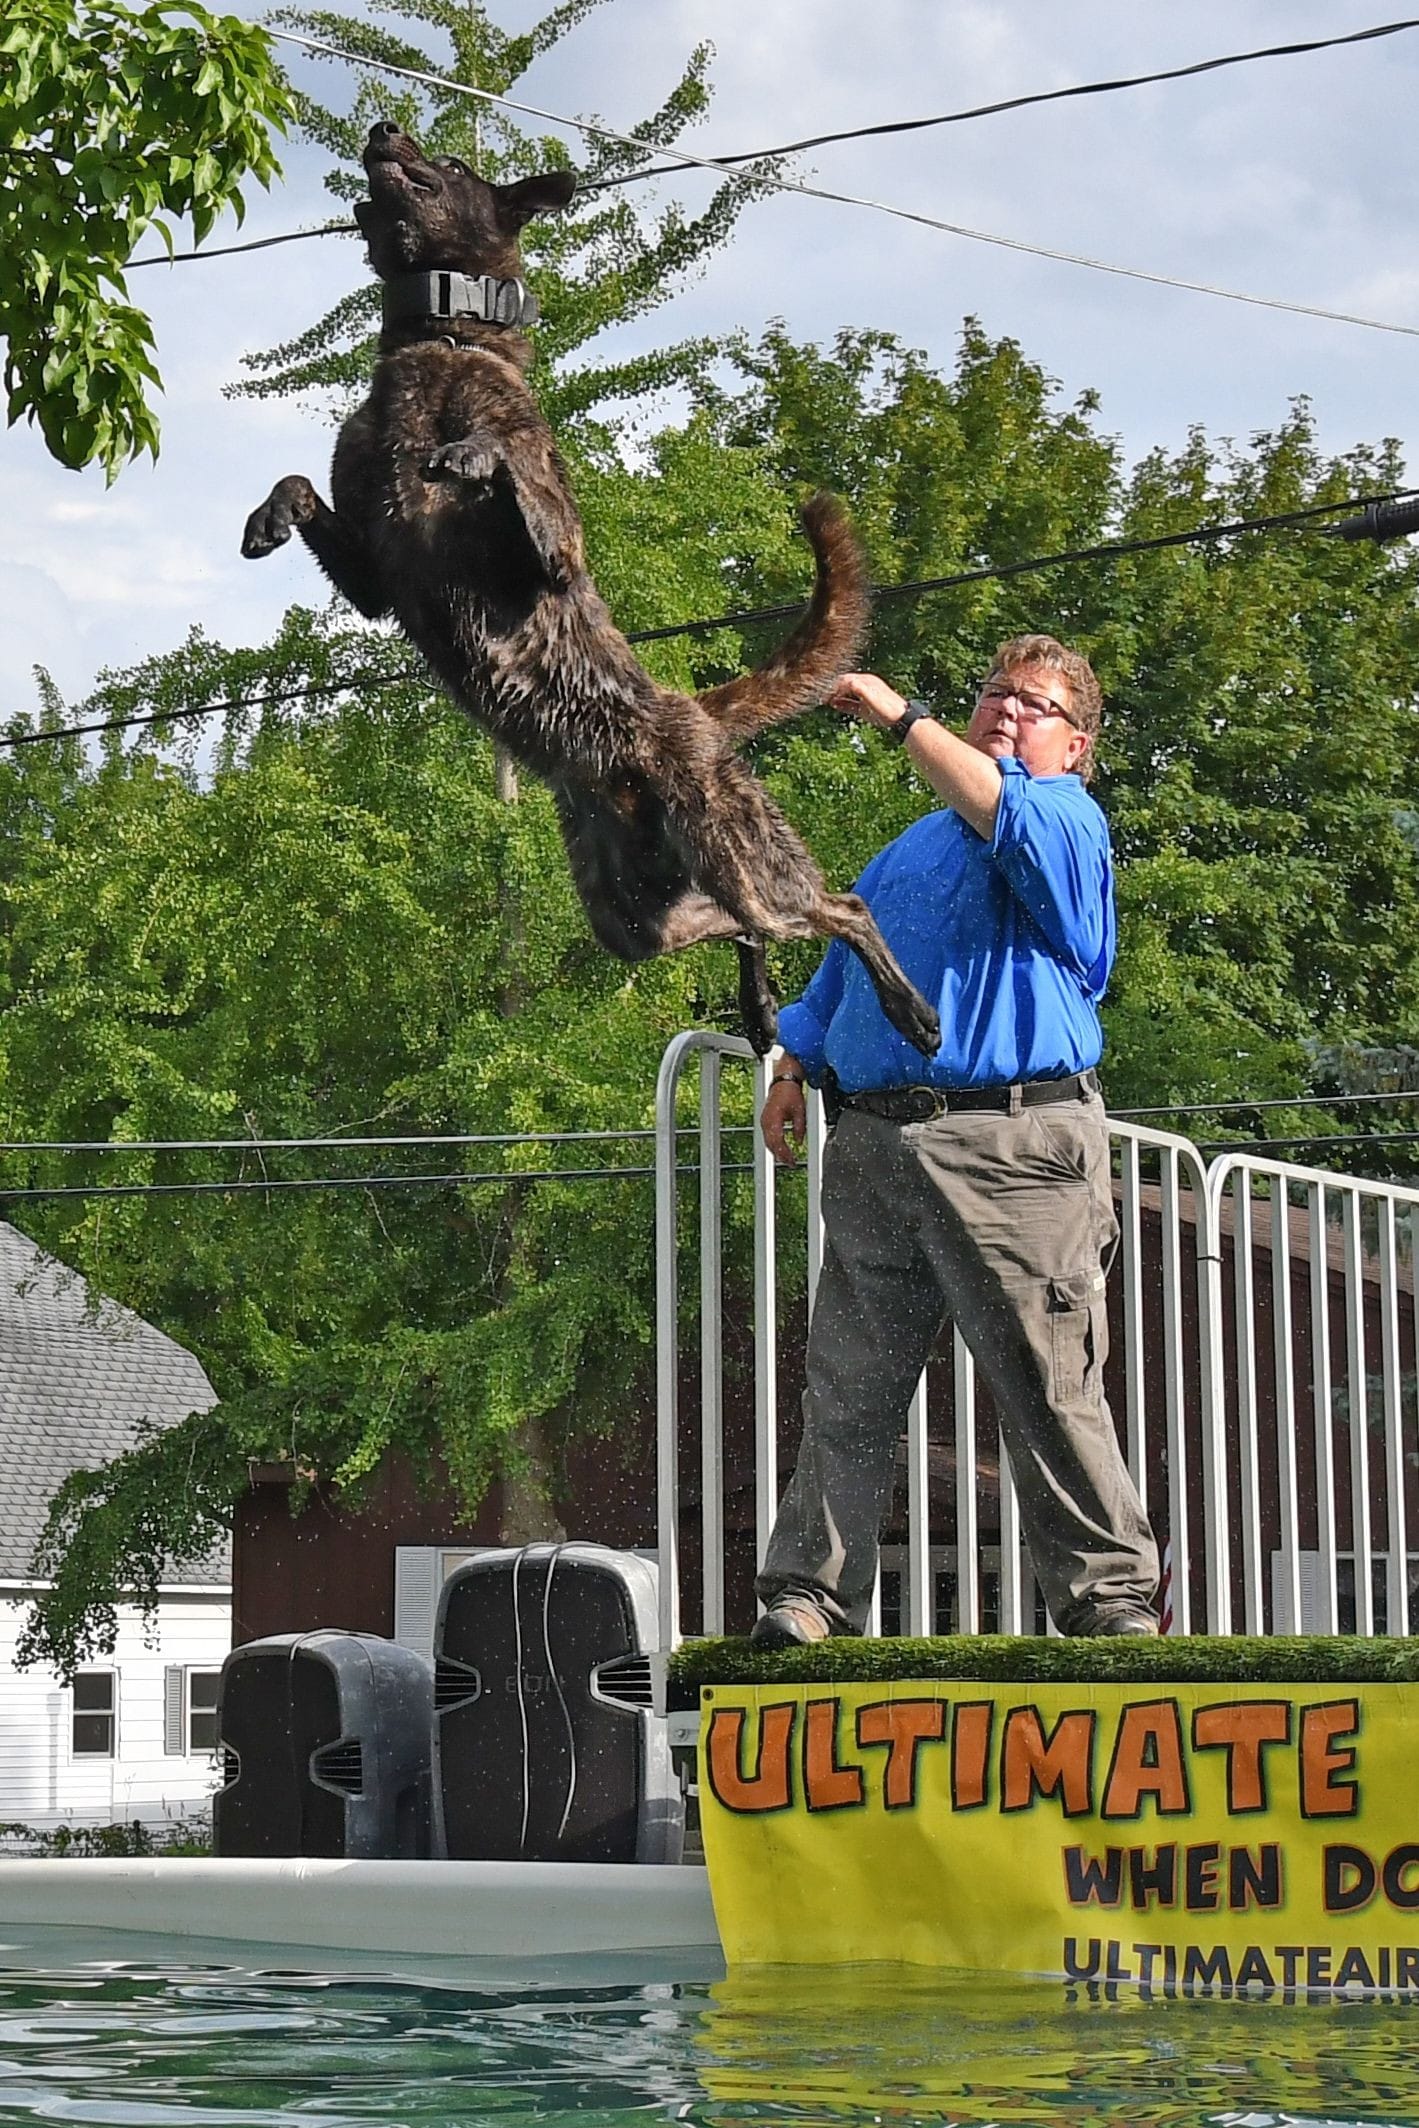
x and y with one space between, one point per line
203 2044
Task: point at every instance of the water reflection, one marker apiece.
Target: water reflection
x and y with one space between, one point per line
905 2044
143 2046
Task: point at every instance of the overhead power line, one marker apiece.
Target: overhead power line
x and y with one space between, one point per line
227 251
1109 550
1021 103
362 682
333 1144
843 199
353 1182
1217 1108
417 1140
891 126
1283 1145
1113 550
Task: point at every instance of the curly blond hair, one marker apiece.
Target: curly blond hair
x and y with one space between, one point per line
1085 696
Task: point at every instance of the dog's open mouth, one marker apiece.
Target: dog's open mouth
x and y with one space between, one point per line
393 162
387 171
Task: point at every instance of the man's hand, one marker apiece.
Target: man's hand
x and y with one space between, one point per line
783 1120
865 696
959 770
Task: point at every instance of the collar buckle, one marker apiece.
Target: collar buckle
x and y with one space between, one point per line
445 295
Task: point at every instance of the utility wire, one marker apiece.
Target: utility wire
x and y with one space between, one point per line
328 1144
227 251
1109 551
845 199
246 1186
634 1131
1021 103
900 125
1215 1108
353 1182
1281 1145
362 681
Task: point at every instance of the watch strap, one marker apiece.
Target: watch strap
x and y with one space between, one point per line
912 714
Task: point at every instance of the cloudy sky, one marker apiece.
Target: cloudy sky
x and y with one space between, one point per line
1290 178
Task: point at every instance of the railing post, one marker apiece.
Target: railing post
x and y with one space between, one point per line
667 1344
765 1332
919 1591
1249 1479
711 1349
667 1317
1397 1520
1321 1412
1214 1421
1284 1350
1361 1541
967 1519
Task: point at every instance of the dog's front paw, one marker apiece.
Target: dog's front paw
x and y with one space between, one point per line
291 502
470 459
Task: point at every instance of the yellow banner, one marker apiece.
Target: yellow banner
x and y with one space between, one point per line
1171 1836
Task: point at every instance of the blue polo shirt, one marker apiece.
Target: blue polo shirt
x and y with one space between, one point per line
1012 940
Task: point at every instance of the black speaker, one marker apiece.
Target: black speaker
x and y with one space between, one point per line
546 1745
327 1744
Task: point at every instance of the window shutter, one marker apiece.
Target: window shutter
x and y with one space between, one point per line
174 1742
416 1593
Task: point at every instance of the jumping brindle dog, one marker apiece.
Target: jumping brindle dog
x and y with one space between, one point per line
452 511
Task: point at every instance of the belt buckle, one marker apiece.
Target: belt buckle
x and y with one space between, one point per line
931 1102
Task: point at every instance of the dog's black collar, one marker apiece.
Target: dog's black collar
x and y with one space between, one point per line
458 295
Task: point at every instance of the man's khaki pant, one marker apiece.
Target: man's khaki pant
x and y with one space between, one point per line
1002 1222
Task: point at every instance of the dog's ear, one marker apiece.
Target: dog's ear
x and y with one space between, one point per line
546 194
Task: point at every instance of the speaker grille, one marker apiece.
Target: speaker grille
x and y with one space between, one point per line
627 1680
340 1766
455 1683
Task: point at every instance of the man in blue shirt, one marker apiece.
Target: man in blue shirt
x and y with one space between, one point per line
976 1187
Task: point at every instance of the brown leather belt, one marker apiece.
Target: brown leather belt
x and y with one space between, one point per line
920 1104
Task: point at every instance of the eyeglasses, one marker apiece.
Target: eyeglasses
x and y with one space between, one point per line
1029 706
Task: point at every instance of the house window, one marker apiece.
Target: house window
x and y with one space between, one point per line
93 1714
190 1711
202 1710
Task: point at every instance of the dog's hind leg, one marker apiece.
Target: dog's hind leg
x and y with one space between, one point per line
847 916
750 862
758 1007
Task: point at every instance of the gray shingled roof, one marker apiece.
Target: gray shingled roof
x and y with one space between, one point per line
75 1378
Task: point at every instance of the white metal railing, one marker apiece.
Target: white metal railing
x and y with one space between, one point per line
1215 1372
1321 1422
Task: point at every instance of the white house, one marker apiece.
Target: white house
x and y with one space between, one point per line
132 1734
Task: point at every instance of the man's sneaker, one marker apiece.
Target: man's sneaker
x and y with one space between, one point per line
793 1620
1138 1622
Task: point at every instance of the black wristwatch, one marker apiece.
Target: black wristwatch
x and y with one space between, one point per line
911 715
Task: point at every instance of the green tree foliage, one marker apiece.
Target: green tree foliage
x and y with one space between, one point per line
112 118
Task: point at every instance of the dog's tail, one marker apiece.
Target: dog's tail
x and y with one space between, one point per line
823 645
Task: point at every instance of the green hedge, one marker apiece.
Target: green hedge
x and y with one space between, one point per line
997 1658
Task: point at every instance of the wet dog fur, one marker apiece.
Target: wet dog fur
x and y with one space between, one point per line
452 511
